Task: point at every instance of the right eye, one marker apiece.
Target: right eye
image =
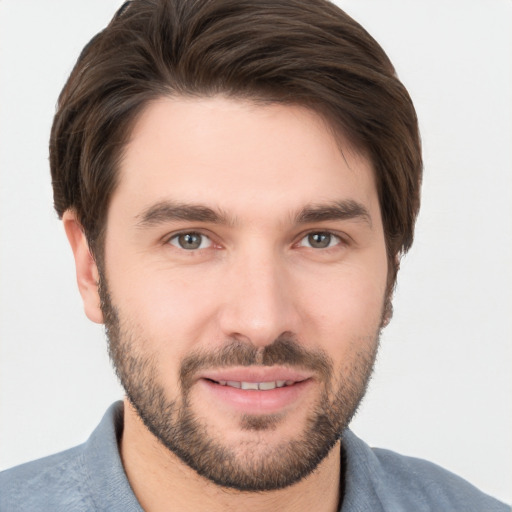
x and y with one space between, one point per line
190 241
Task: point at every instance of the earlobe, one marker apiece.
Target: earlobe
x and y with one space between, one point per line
87 274
387 313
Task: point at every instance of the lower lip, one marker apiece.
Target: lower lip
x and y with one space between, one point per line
252 401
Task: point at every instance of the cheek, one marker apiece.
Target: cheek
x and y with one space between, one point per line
171 313
347 307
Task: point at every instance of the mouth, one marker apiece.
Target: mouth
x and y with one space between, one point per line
255 390
255 386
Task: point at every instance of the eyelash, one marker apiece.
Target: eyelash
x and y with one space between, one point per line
332 237
190 233
305 237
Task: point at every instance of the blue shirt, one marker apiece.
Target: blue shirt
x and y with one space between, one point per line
91 477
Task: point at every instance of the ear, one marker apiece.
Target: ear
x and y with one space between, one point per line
393 268
387 313
87 274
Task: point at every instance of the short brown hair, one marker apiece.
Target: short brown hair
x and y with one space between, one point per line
305 52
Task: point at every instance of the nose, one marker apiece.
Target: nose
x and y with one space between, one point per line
258 300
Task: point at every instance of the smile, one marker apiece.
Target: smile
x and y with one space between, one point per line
256 386
255 395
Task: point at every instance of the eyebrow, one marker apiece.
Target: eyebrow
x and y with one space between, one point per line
338 210
169 211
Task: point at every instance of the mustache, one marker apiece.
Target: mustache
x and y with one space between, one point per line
284 351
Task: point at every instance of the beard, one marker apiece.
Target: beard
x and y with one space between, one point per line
249 465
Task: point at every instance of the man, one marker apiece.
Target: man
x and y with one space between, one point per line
237 181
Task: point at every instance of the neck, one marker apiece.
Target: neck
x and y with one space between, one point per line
159 478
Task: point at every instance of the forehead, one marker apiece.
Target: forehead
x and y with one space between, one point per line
240 156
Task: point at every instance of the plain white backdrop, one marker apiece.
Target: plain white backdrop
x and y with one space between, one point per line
443 383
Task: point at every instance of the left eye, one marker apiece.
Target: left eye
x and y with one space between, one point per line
320 240
190 241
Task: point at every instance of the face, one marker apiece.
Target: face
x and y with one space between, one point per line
243 285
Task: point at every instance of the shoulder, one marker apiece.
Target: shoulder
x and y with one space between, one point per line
86 478
57 482
421 479
397 482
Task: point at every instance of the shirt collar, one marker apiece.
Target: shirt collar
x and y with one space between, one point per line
108 481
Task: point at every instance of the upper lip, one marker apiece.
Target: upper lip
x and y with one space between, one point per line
255 374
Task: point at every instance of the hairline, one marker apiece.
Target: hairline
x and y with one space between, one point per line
344 142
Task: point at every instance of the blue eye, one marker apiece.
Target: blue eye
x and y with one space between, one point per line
190 241
320 240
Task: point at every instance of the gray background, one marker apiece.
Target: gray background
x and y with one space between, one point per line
443 382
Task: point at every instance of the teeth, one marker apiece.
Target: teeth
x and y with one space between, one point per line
262 386
266 385
249 385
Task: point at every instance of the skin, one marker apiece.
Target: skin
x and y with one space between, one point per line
255 277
